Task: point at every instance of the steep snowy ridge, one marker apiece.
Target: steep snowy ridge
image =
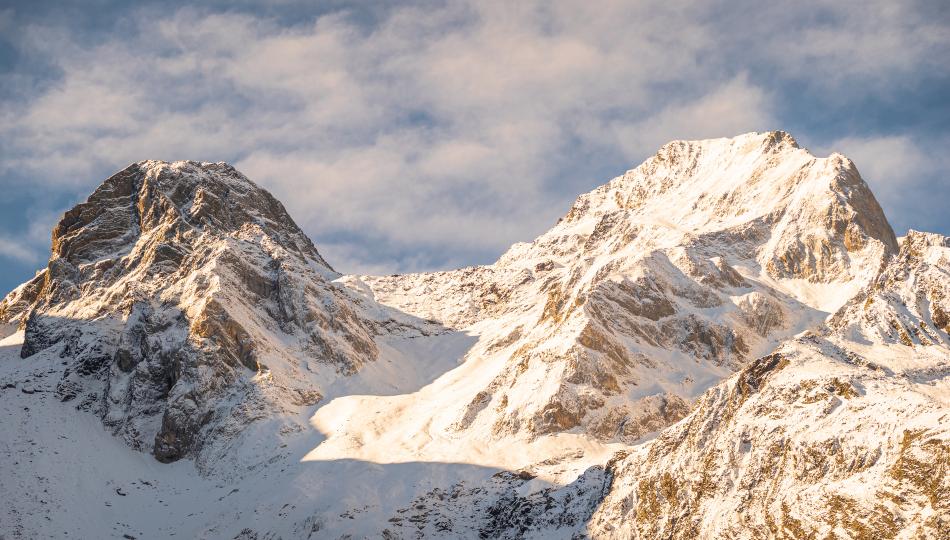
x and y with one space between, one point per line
843 433
727 341
654 287
909 302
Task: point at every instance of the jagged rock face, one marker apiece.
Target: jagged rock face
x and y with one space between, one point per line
178 286
909 302
838 433
841 433
501 508
656 285
804 443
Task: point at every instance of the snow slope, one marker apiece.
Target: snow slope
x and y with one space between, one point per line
68 476
187 304
842 432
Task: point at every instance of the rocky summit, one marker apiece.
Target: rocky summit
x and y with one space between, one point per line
728 341
171 290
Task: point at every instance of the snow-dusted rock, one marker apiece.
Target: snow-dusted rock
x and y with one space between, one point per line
657 285
842 433
178 288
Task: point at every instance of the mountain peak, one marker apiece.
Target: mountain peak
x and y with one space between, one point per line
678 314
176 196
681 270
765 141
174 284
810 216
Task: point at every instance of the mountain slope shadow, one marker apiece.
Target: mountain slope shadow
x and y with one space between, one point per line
187 305
420 500
269 475
129 493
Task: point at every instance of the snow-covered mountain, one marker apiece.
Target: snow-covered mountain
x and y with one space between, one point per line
727 341
654 287
186 303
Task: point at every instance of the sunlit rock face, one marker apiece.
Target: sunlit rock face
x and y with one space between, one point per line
658 284
177 286
838 434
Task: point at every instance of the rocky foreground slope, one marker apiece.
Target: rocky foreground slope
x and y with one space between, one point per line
842 432
726 342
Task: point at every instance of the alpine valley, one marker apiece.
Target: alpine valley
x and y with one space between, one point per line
728 341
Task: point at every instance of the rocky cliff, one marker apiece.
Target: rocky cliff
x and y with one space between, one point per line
841 433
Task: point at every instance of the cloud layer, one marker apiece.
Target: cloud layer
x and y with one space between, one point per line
437 134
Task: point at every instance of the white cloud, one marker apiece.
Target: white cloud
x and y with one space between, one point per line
890 162
442 130
17 249
727 110
878 40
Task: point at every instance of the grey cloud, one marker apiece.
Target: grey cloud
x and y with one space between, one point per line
734 107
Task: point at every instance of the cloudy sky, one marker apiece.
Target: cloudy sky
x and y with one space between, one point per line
429 135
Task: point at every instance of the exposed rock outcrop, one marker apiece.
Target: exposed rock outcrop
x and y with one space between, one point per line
733 321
